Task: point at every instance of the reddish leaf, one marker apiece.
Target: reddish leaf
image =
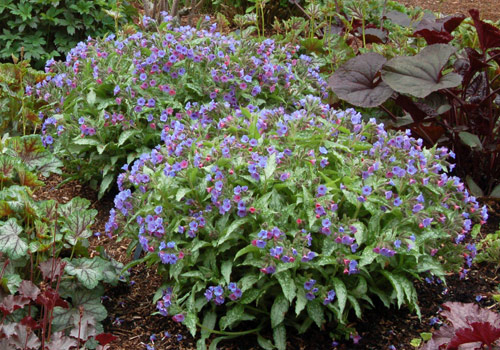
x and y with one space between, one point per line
434 36
50 298
463 315
489 36
13 302
59 341
105 338
481 332
30 322
28 290
438 31
52 269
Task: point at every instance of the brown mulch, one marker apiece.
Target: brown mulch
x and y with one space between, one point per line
488 9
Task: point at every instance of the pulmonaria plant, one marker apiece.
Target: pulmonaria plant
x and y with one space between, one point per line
295 216
112 98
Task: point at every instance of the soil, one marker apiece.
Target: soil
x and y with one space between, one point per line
129 304
488 9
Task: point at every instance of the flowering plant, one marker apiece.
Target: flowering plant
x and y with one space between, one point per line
290 217
112 98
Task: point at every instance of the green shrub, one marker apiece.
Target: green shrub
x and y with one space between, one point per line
290 217
50 28
114 98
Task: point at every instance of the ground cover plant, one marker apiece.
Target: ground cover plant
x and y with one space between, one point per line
290 218
112 99
447 102
51 288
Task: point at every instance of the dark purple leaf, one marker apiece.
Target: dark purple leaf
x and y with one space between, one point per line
434 36
489 36
50 299
11 303
398 18
52 269
462 315
28 290
438 31
375 35
30 322
24 338
59 341
420 75
358 81
440 338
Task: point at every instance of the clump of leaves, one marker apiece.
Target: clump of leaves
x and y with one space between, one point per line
18 107
457 105
113 99
48 28
469 327
38 234
292 217
28 316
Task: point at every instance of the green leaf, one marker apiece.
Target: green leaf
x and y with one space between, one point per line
301 301
234 225
86 141
287 284
496 192
360 234
226 270
279 310
245 250
181 193
354 302
341 293
105 183
279 336
315 312
264 343
190 322
470 140
235 314
208 322
10 242
270 166
125 135
473 187
86 270
91 96
400 294
76 226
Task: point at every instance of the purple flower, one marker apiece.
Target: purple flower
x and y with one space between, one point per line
366 190
321 190
417 207
309 284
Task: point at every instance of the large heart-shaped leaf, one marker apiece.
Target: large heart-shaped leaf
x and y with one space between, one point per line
88 271
75 205
489 36
420 75
10 242
27 148
358 81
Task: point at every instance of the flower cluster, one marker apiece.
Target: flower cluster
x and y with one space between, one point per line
141 84
306 202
